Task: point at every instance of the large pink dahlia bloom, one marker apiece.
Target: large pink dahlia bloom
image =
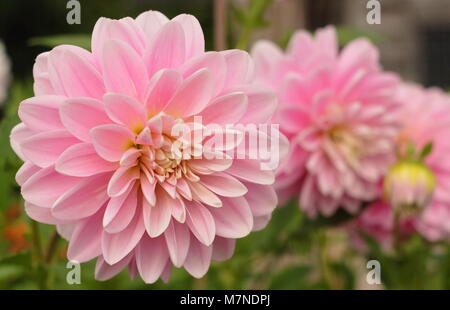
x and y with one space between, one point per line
425 117
102 160
336 110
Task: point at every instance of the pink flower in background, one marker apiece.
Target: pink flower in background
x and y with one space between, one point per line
102 163
336 110
425 116
4 73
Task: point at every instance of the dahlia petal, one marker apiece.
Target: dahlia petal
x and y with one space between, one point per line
122 179
41 214
123 70
116 246
67 64
195 42
151 258
26 171
198 259
120 211
177 240
105 271
200 222
201 193
293 119
167 50
148 189
193 95
224 185
82 200
130 157
183 189
19 133
240 68
260 222
125 110
262 199
150 23
123 30
226 109
165 276
111 141
44 148
81 160
85 242
161 89
93 114
223 249
46 186
250 170
260 108
41 113
213 61
266 55
234 219
157 218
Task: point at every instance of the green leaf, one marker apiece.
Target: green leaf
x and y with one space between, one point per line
426 150
347 34
291 278
81 40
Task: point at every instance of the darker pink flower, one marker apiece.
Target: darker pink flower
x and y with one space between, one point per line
103 162
425 117
336 110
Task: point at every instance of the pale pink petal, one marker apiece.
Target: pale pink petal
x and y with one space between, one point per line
111 141
177 240
93 113
84 199
116 246
85 242
157 218
41 113
104 271
227 109
200 222
223 249
234 219
44 148
251 170
81 160
125 110
26 171
120 211
224 185
193 95
151 258
240 68
167 50
46 186
150 23
162 87
123 70
195 42
262 199
201 193
198 258
122 179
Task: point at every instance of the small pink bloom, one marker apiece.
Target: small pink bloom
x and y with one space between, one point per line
336 110
102 161
425 116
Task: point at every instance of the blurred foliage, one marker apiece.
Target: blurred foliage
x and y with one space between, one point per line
292 252
81 40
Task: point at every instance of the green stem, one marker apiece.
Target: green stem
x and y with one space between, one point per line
37 244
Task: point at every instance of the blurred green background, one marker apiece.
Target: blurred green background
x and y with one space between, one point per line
292 252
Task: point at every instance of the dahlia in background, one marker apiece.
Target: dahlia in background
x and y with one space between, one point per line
422 201
336 108
102 163
4 73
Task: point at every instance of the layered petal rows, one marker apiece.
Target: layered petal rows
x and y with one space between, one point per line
102 161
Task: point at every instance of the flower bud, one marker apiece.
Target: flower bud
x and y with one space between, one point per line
409 187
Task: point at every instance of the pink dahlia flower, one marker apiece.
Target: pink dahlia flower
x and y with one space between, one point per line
336 110
425 117
104 163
